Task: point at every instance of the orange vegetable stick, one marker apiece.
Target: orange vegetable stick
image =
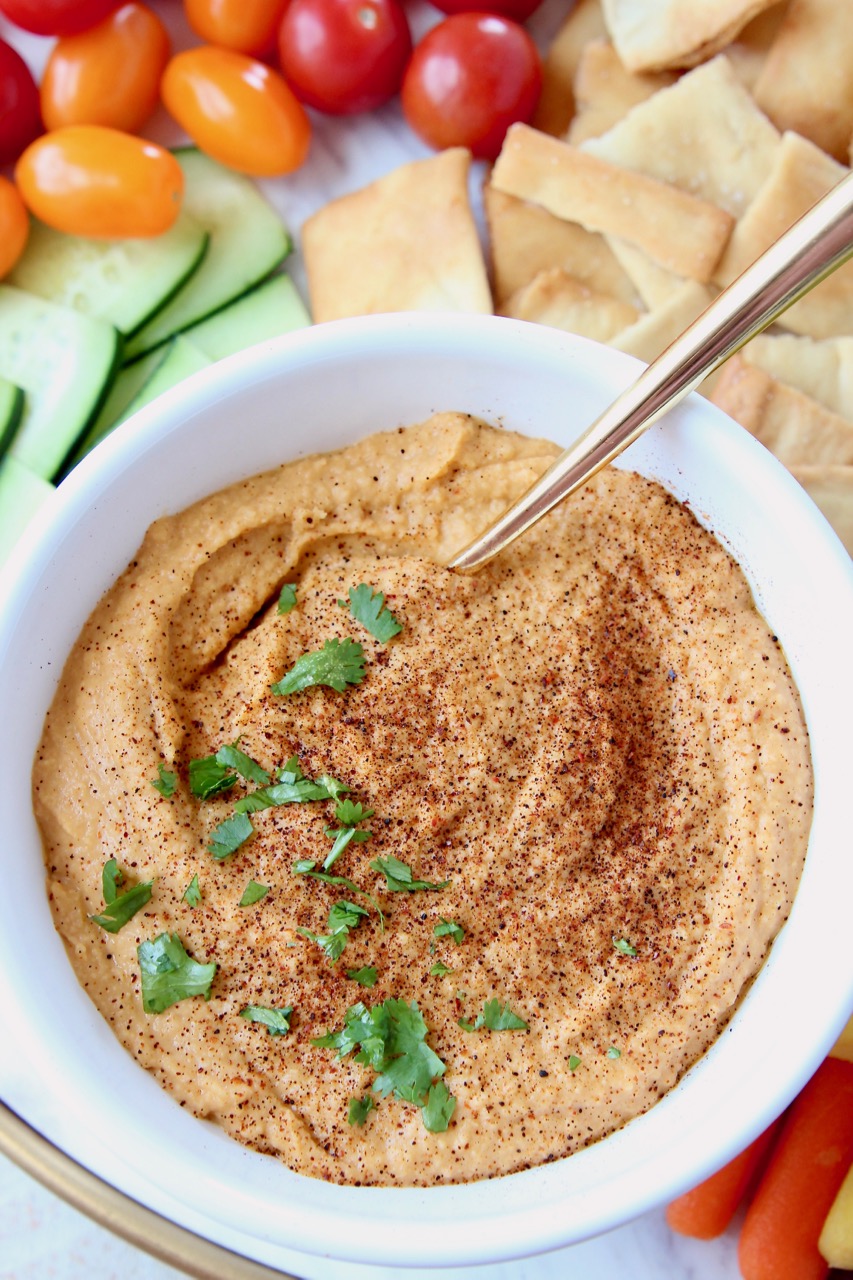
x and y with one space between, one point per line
707 1210
808 1164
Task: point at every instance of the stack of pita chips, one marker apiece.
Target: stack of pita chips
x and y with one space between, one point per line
674 141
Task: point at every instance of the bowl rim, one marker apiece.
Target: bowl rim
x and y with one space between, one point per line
399 333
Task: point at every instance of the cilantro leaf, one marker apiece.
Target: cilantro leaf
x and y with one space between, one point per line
276 1021
208 777
192 893
574 1062
350 814
337 664
439 1108
399 877
495 1017
613 1052
292 787
120 907
368 607
439 969
343 916
169 974
305 867
231 757
287 597
366 977
449 929
341 837
253 893
360 1109
623 945
229 835
166 782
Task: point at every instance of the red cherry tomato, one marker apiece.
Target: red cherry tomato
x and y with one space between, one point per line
518 10
81 84
469 79
343 56
57 17
14 225
249 26
237 110
92 181
20 117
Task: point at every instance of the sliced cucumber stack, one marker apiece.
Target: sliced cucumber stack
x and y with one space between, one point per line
123 281
247 242
21 494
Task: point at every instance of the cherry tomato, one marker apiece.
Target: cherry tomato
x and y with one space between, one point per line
80 84
343 56
56 17
518 10
20 117
249 26
469 79
237 110
14 225
92 181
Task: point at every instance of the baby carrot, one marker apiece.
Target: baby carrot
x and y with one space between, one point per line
814 1149
707 1210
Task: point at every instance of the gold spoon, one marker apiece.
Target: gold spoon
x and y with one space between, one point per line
806 254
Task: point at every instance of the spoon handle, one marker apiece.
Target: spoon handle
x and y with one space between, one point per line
808 252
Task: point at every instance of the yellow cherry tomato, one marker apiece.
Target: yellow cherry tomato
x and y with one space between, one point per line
237 110
249 26
109 74
14 225
92 181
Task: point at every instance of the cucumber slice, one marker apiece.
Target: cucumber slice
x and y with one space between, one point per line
177 361
21 494
123 281
11 411
65 363
247 241
125 386
269 309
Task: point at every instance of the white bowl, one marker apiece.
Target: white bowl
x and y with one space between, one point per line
316 390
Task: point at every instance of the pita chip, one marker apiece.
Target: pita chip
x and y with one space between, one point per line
525 239
651 35
678 231
822 369
555 298
651 334
655 285
557 101
407 242
800 175
748 52
605 91
831 489
806 83
704 135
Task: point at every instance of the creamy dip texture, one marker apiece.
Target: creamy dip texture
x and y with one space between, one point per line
595 741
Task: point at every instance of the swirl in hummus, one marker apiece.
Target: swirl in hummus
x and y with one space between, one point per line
595 740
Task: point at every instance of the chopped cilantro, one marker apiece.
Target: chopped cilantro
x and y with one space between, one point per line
613 1052
253 893
276 1021
368 607
208 777
192 893
495 1017
574 1062
229 835
231 757
169 974
392 1039
341 837
366 977
291 788
439 1108
120 907
439 969
337 664
350 814
399 877
305 867
287 597
360 1109
449 929
343 916
166 782
623 945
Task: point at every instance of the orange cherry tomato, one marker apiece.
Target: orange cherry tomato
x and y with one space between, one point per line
109 74
249 26
92 181
14 225
236 109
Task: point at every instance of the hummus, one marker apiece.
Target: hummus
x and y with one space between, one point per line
595 741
